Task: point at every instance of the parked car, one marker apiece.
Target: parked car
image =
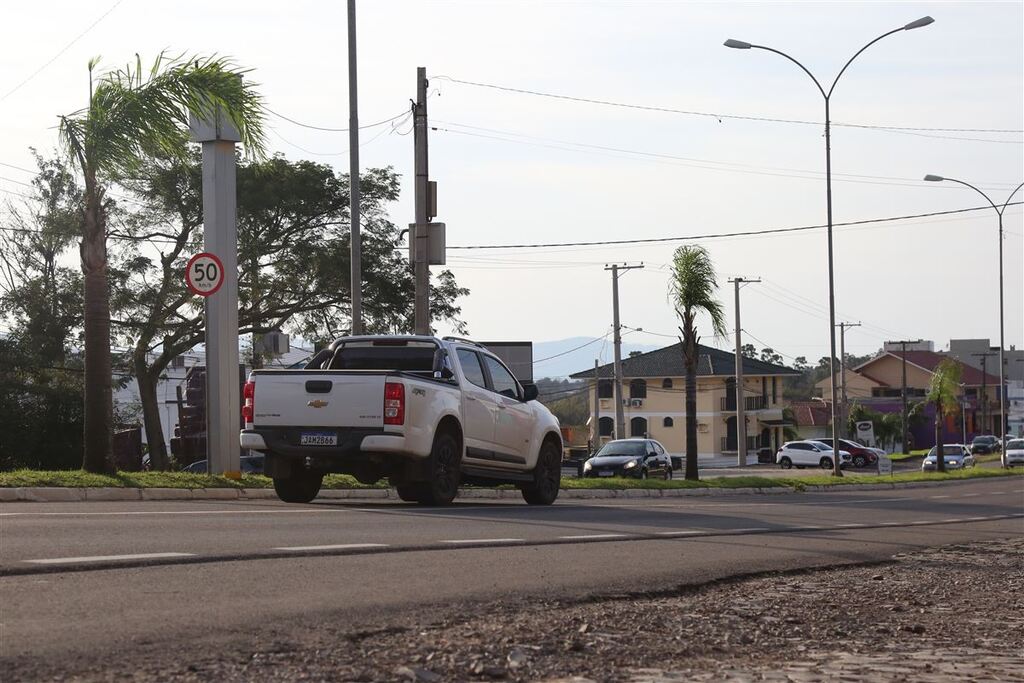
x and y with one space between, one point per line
862 455
802 454
1014 453
983 445
250 464
636 458
956 455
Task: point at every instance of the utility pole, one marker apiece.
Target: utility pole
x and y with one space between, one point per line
620 417
903 391
741 418
984 390
418 234
356 272
597 408
842 369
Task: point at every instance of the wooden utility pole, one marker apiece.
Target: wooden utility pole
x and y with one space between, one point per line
843 411
903 390
597 407
418 234
620 417
741 418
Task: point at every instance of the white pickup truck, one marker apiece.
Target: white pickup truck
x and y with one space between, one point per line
428 413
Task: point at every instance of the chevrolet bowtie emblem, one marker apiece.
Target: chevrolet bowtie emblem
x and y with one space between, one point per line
317 404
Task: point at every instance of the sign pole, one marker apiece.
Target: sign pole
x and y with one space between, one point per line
220 237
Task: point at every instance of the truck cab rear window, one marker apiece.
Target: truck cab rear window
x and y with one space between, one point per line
404 358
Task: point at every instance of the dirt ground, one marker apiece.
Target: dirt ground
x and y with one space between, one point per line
953 613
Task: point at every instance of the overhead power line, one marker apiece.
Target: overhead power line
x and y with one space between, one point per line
746 233
717 115
404 112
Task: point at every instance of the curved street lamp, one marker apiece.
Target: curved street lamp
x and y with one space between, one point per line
1002 342
741 45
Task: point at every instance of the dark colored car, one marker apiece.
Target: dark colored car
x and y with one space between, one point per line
862 456
250 464
984 444
636 458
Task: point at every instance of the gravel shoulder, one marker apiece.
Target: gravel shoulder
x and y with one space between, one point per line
955 612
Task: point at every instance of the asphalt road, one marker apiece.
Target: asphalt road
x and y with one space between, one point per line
85 580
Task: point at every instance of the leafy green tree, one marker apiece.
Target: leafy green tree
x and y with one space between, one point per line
293 229
769 355
800 363
748 351
944 393
692 287
132 114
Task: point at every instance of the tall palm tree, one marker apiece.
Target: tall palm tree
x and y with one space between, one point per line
692 289
944 392
133 114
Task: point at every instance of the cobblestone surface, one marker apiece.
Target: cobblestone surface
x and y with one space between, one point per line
953 613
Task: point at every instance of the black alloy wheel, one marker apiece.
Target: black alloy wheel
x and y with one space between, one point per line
547 476
444 463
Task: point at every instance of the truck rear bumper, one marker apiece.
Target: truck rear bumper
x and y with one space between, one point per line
284 442
252 440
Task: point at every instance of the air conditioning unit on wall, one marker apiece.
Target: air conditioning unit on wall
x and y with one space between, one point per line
636 403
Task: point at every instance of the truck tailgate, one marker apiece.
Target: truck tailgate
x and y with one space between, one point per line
305 398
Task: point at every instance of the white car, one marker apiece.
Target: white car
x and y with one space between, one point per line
809 454
1014 453
427 413
956 455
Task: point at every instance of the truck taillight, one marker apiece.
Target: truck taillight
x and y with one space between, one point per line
249 408
394 403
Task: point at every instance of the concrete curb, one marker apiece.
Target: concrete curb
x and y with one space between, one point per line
43 494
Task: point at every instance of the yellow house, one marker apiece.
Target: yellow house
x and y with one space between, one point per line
654 400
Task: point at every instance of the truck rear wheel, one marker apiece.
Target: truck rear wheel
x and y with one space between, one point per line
547 476
410 493
300 487
443 471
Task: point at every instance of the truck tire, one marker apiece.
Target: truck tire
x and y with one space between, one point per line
300 487
443 470
410 493
547 476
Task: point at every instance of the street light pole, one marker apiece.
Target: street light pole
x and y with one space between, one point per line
1002 340
740 45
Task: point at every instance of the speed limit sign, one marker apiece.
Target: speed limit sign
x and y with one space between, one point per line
204 274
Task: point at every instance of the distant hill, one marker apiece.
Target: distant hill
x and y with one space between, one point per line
567 356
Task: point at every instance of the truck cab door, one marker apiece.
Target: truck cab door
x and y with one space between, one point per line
513 421
479 406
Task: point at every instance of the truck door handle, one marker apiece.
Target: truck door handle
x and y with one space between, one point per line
470 398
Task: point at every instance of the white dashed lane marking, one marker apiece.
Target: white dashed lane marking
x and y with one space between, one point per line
339 546
485 540
582 537
110 558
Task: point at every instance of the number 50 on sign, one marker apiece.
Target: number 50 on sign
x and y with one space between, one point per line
204 274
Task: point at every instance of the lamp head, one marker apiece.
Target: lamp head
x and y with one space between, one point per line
923 21
934 178
737 44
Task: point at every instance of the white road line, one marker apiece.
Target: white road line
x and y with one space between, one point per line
752 528
456 541
809 526
586 536
969 495
678 533
109 558
170 512
850 526
934 497
338 546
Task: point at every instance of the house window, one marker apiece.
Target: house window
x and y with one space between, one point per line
764 389
605 388
775 390
606 426
666 383
667 422
638 389
638 427
178 361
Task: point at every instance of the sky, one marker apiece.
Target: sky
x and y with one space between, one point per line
520 169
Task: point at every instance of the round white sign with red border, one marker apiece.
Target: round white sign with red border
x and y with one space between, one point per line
204 274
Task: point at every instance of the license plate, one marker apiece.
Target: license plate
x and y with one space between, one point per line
605 474
318 439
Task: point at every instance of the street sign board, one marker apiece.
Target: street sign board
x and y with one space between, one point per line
866 432
884 465
204 274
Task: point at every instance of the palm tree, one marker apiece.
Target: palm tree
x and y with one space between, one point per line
944 392
691 291
134 114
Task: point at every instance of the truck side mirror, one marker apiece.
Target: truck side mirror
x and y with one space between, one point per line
530 392
440 370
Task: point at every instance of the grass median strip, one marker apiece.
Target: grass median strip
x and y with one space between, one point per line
187 480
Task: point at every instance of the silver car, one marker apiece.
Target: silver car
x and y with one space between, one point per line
956 455
1014 453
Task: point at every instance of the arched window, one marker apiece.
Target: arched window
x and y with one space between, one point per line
606 426
666 383
638 427
638 389
605 388
667 422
